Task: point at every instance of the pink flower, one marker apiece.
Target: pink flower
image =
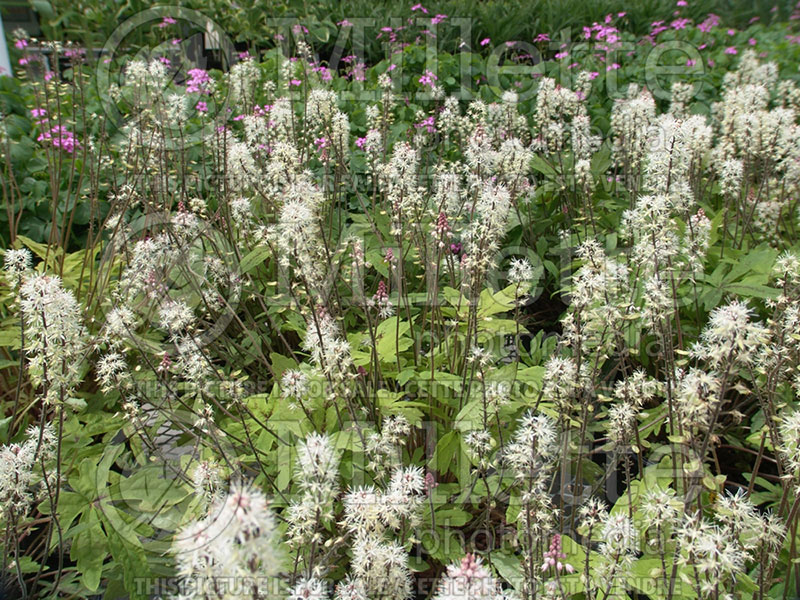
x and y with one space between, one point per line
201 107
731 32
711 21
612 67
295 82
542 37
419 7
164 60
428 78
752 41
38 112
680 23
438 19
485 41
561 55
167 22
593 75
360 142
60 137
682 3
344 23
731 50
711 63
176 41
428 124
20 44
554 556
199 82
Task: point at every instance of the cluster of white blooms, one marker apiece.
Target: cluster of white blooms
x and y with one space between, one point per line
317 475
384 449
708 548
482 239
16 263
730 335
790 441
207 481
329 351
112 372
696 397
673 146
243 80
681 94
618 551
555 108
55 335
236 541
398 179
631 120
298 233
381 568
600 298
21 475
533 450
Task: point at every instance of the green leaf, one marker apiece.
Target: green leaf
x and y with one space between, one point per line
88 551
390 337
254 258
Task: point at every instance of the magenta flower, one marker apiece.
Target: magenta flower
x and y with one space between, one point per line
20 44
485 41
593 75
429 124
201 107
417 7
60 137
167 22
438 19
428 78
731 50
199 82
691 62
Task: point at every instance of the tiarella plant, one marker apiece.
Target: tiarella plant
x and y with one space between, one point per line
289 331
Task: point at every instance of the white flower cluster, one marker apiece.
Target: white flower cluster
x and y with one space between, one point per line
236 541
21 474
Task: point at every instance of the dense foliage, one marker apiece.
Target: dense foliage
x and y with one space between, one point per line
512 323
